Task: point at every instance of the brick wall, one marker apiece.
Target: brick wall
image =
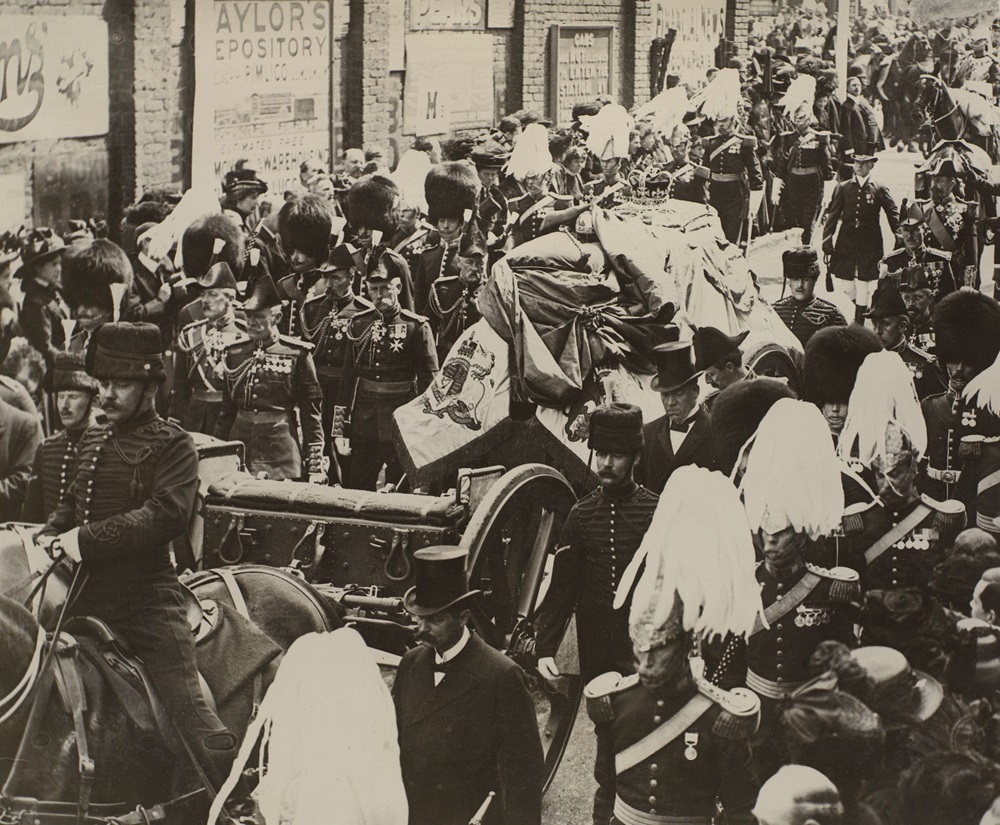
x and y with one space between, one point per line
366 75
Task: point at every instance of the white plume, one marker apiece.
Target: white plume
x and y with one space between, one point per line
530 156
801 92
984 389
410 174
720 98
666 111
608 131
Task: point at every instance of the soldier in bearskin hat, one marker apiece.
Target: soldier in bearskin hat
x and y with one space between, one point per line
56 460
43 309
390 360
413 231
670 744
304 226
801 311
97 282
269 382
452 190
451 305
892 325
209 240
199 358
736 413
133 494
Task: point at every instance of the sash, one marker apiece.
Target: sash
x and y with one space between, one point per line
663 735
535 207
724 146
417 233
896 533
792 599
992 480
941 234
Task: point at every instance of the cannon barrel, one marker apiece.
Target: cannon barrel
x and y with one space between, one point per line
386 604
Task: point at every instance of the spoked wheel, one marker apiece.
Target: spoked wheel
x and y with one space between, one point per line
510 537
774 362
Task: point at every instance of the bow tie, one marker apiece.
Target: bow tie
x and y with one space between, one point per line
683 427
444 667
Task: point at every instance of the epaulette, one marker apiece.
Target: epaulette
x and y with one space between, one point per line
949 515
405 313
845 583
853 520
941 253
599 691
296 342
184 341
740 715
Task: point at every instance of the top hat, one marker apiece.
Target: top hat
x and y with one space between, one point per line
490 155
711 345
69 373
674 366
441 580
40 245
125 352
801 262
886 302
903 696
866 151
616 428
219 276
263 295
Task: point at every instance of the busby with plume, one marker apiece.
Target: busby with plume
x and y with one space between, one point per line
125 352
373 203
451 190
530 156
410 176
833 357
800 96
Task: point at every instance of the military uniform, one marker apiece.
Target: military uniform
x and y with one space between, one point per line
684 184
295 290
53 471
452 310
433 262
932 266
707 758
948 418
952 225
264 385
922 336
491 217
805 320
196 400
858 249
928 379
409 245
601 535
803 166
892 549
733 171
390 359
527 215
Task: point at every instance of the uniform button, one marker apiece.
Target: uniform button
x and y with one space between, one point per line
779 654
652 767
779 680
657 719
653 783
652 801
779 597
652 810
778 667
779 640
659 704
780 625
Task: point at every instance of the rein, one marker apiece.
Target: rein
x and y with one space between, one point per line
12 702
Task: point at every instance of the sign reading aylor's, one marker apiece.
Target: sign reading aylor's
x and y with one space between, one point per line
54 81
262 88
581 67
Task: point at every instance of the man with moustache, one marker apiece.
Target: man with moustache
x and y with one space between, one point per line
801 311
466 720
952 222
684 434
133 494
601 535
56 459
916 263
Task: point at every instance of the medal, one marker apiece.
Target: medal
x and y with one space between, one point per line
969 417
690 749
397 335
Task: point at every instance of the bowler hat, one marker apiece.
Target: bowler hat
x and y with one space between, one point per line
616 428
903 696
802 262
219 276
441 580
674 366
263 295
40 245
886 302
125 351
69 373
711 345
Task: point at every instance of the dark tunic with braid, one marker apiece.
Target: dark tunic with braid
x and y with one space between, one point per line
601 535
54 470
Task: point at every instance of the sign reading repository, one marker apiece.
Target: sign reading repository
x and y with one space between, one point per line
262 87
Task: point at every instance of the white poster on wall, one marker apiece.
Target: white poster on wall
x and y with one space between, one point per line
700 25
262 88
55 77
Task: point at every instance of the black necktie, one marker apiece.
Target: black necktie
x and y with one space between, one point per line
443 667
683 427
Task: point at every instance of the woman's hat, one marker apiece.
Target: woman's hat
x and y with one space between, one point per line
903 696
441 580
40 245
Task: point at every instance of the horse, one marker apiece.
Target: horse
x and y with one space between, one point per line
955 114
91 694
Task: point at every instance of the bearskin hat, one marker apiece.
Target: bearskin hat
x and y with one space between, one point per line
832 360
450 188
372 203
740 408
304 224
198 242
967 329
89 270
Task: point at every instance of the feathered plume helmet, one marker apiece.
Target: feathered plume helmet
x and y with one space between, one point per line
801 94
983 391
793 474
883 415
608 131
531 156
721 98
410 174
666 111
699 564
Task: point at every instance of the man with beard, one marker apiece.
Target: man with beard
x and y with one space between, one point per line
918 267
951 222
967 325
325 320
801 311
199 360
390 361
892 325
270 381
304 226
133 494
56 459
466 721
599 539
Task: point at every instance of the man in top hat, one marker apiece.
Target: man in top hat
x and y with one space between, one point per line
892 325
683 435
241 191
801 311
857 124
325 321
466 720
855 254
452 306
269 382
133 494
951 222
391 359
304 227
718 356
43 309
452 190
56 458
199 358
491 205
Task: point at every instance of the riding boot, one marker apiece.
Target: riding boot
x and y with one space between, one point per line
859 314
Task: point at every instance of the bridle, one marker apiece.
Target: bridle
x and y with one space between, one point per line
929 107
15 698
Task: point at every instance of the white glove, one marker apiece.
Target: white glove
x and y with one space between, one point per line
343 446
69 543
547 667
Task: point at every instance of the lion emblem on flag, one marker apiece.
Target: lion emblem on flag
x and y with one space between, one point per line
459 388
